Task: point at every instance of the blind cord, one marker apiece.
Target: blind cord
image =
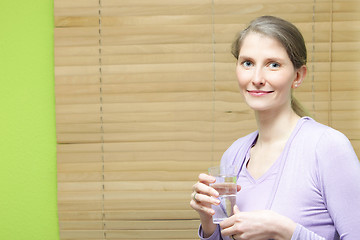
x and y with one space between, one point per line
313 62
330 60
102 125
213 86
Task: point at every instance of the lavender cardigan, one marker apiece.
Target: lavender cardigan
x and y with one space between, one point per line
315 182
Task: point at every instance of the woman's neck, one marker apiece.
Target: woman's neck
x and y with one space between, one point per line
275 127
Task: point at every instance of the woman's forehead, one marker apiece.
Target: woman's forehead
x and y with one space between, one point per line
257 41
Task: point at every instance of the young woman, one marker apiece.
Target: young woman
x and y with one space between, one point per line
299 179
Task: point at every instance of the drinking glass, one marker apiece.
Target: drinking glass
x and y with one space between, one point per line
225 185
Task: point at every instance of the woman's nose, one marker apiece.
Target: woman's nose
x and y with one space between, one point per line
258 77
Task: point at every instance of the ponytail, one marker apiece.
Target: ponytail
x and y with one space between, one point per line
298 108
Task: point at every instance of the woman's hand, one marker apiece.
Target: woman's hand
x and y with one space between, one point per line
258 225
202 197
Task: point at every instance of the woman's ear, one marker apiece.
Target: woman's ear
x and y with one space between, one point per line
300 76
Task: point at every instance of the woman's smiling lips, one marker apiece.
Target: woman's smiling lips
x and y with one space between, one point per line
258 92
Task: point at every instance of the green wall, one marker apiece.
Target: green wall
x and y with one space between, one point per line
28 207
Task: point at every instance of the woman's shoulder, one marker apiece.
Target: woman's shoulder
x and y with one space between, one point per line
245 140
238 150
319 131
241 144
325 139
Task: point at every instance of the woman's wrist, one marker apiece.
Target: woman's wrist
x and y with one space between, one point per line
285 228
207 225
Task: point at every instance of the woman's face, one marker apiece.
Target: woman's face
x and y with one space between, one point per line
265 73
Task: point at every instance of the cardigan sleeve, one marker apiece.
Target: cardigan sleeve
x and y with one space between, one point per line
302 233
339 176
215 236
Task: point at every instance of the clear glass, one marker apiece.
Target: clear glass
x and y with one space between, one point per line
225 184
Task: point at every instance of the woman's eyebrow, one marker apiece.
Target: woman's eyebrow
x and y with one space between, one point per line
245 57
276 59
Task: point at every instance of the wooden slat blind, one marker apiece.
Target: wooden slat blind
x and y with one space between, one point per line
146 99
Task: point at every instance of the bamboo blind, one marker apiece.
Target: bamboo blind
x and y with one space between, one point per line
146 99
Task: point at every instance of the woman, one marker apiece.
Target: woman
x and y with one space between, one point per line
299 179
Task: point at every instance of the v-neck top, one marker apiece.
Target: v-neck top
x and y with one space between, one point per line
314 182
252 188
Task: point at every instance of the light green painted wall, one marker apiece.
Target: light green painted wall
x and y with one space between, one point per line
28 208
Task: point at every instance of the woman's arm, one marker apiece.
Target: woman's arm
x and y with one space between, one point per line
339 174
302 233
202 198
264 224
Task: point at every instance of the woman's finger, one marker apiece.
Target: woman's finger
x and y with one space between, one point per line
229 222
236 210
193 196
207 179
205 189
229 231
201 207
201 198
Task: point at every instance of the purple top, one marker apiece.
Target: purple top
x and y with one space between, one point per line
315 182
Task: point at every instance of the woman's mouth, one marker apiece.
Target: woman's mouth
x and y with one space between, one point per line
258 93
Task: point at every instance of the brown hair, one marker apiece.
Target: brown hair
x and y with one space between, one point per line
288 35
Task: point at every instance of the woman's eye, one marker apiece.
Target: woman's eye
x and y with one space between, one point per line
274 65
246 64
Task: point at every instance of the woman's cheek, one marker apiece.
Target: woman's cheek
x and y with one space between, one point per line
243 79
